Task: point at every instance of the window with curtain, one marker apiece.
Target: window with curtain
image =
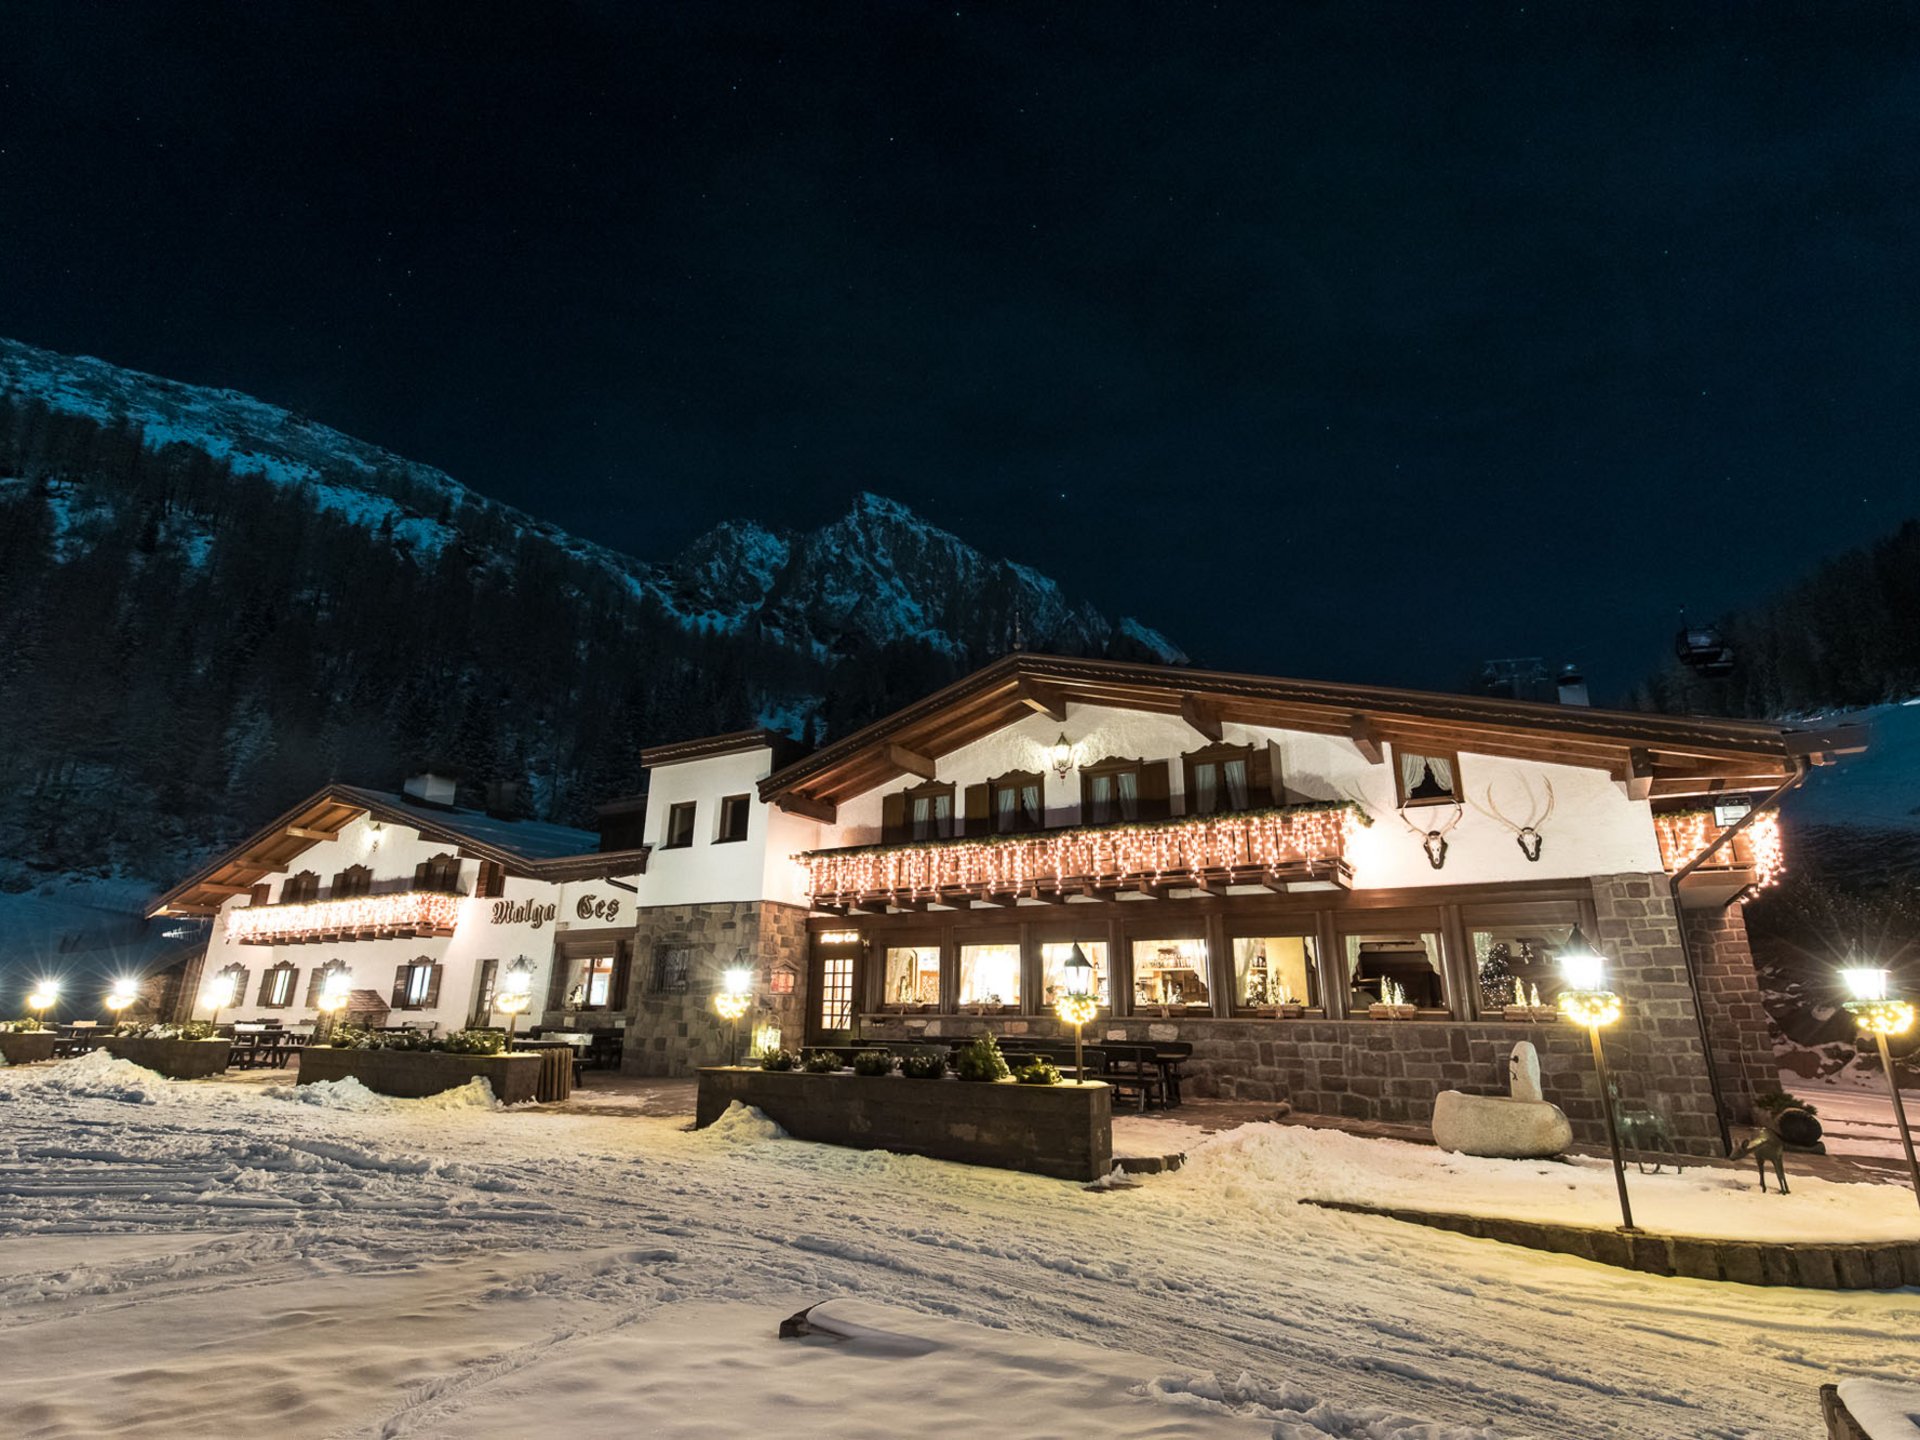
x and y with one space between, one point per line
1274 970
930 812
1171 974
1405 964
912 975
1014 801
1219 779
990 976
1427 779
1516 951
1110 792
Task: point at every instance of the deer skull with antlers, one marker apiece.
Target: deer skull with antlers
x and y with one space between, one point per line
1527 836
1434 842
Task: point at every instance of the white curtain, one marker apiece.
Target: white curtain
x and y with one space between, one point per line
1206 788
922 812
1236 784
1129 787
943 815
1007 804
1414 770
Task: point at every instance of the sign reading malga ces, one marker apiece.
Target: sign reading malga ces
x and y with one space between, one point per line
523 912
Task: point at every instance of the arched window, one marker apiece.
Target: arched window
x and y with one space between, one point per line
440 874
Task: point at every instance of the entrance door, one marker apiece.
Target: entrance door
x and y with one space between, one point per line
834 973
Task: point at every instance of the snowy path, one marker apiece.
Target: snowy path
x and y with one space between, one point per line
387 1272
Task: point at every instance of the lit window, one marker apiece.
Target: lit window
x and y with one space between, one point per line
1053 975
1396 969
280 985
1516 952
913 975
1427 779
734 810
1171 974
1270 971
596 981
990 976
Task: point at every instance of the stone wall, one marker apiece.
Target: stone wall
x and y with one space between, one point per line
676 1033
1736 1018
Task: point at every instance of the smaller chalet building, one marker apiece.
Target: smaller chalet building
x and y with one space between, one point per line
1256 867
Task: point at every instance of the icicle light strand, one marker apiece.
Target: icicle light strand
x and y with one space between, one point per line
410 910
1685 835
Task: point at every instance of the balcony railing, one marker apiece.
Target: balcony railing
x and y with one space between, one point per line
410 913
1688 833
1264 847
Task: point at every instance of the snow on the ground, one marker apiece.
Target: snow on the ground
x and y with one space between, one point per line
1855 1118
1885 1412
224 1255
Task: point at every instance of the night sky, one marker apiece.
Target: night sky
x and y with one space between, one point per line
1343 340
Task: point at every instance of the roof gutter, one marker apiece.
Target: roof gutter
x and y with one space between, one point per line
1799 774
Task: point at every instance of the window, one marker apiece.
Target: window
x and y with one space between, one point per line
672 964
921 812
596 982
276 986
679 826
734 810
353 881
1110 791
1427 779
990 976
301 889
1516 952
1171 974
317 981
1274 970
1219 779
912 976
440 874
416 985
1014 801
1053 970
485 983
836 992
1396 968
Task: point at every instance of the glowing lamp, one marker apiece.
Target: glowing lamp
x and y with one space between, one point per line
1881 1016
43 995
515 994
335 991
122 994
1590 1008
1582 967
1079 972
1060 755
1077 1006
733 1002
1864 983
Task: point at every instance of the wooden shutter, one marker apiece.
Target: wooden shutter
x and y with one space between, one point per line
493 880
893 818
1260 779
266 984
423 875
1156 800
622 970
258 894
557 978
433 986
315 979
400 988
1276 774
979 810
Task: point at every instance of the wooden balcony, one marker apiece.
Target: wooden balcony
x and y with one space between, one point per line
409 914
1270 848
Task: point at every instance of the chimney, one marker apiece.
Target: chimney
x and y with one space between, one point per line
1573 686
430 789
503 799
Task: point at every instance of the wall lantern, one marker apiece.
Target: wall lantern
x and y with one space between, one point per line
1880 1017
736 995
1587 1002
1077 1006
516 993
1060 755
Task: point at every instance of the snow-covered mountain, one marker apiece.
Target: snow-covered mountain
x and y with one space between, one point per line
878 576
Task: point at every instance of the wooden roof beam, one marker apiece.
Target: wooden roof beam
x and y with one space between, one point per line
1639 774
1203 717
1044 699
1366 740
825 811
911 761
310 832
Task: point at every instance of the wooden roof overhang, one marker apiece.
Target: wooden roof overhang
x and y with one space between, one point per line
1653 755
273 848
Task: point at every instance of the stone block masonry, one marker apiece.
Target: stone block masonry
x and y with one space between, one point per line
1736 1018
674 1031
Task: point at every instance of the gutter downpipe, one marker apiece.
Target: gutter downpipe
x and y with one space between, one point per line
1686 945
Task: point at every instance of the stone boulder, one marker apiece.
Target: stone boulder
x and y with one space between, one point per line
1499 1127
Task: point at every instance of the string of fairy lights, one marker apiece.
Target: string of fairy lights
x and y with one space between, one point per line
1264 841
408 910
1685 834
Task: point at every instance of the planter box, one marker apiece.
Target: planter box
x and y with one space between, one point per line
175 1059
411 1074
1061 1130
27 1047
1531 1012
1392 1012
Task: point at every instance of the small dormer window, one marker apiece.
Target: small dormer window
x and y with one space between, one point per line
680 820
734 813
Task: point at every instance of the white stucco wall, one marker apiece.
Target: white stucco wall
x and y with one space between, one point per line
710 871
392 851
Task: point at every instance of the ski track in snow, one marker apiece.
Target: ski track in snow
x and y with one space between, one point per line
617 1217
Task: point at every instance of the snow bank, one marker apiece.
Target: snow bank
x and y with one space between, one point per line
96 1076
1273 1165
351 1095
1298 1414
1885 1412
742 1125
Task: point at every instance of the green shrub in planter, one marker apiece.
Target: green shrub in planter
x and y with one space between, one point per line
1774 1101
923 1065
777 1060
821 1062
473 1042
25 1025
1038 1071
873 1062
980 1059
161 1030
359 1037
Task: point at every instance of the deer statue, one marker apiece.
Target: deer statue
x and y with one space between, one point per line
1433 841
1527 836
1766 1148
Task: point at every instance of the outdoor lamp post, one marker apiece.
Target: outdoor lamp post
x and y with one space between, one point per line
335 991
732 1002
1587 1001
516 993
121 994
1077 1005
224 990
1881 1017
41 998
